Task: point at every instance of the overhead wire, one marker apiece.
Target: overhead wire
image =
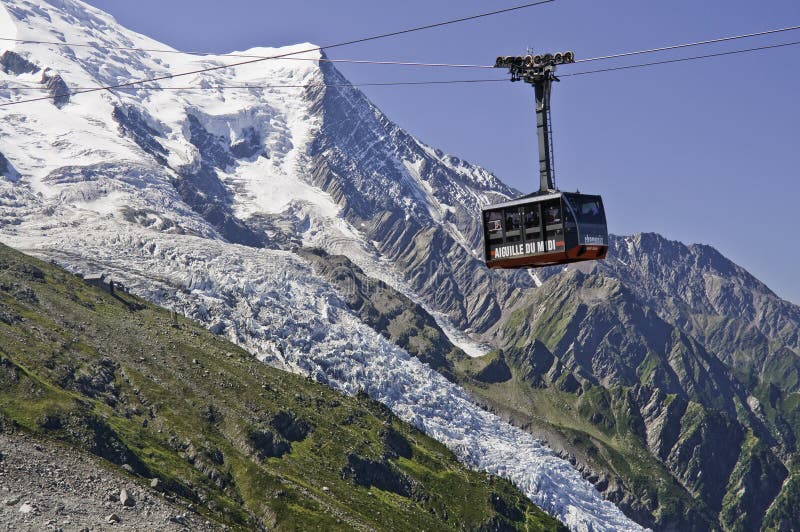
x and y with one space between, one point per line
78 90
687 45
680 59
137 84
247 56
288 54
274 86
346 43
403 63
405 83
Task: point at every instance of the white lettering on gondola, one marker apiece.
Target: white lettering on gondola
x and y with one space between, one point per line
529 248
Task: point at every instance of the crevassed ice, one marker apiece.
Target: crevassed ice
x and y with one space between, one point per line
290 318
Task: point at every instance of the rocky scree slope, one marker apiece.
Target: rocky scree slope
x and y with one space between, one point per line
45 485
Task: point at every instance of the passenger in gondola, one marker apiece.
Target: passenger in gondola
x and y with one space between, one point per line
512 222
552 215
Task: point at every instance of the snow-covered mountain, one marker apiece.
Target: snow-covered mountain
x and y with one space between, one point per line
196 199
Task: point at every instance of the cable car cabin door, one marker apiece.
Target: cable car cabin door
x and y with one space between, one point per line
544 230
591 219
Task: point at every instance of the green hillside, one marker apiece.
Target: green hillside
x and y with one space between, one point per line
244 444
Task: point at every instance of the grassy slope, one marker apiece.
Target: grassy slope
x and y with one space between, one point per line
693 482
592 428
113 375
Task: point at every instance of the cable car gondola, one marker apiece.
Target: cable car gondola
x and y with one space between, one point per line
549 226
543 230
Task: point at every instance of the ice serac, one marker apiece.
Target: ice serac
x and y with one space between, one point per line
194 199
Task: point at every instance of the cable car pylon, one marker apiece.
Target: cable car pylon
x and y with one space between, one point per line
548 226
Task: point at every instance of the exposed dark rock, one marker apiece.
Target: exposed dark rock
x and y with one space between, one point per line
153 219
94 380
133 124
752 487
495 371
208 462
9 376
7 170
396 444
200 187
214 149
28 272
203 191
25 294
289 426
283 230
358 159
13 63
569 383
249 146
267 445
496 524
381 475
503 508
677 348
388 311
8 315
51 422
210 414
100 439
56 87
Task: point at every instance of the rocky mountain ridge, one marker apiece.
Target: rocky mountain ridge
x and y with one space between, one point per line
666 350
634 368
196 200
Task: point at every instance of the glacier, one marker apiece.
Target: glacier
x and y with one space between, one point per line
196 198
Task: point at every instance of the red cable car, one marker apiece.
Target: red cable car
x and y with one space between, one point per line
549 226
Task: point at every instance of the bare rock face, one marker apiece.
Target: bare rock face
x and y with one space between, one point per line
380 474
56 87
420 208
13 63
495 371
679 348
7 169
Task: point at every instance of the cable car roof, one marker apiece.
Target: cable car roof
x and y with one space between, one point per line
523 200
537 197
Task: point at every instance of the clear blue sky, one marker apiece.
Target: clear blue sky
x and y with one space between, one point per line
706 151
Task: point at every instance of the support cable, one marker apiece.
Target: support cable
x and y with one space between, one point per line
251 56
686 45
401 83
681 59
288 54
401 63
273 86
